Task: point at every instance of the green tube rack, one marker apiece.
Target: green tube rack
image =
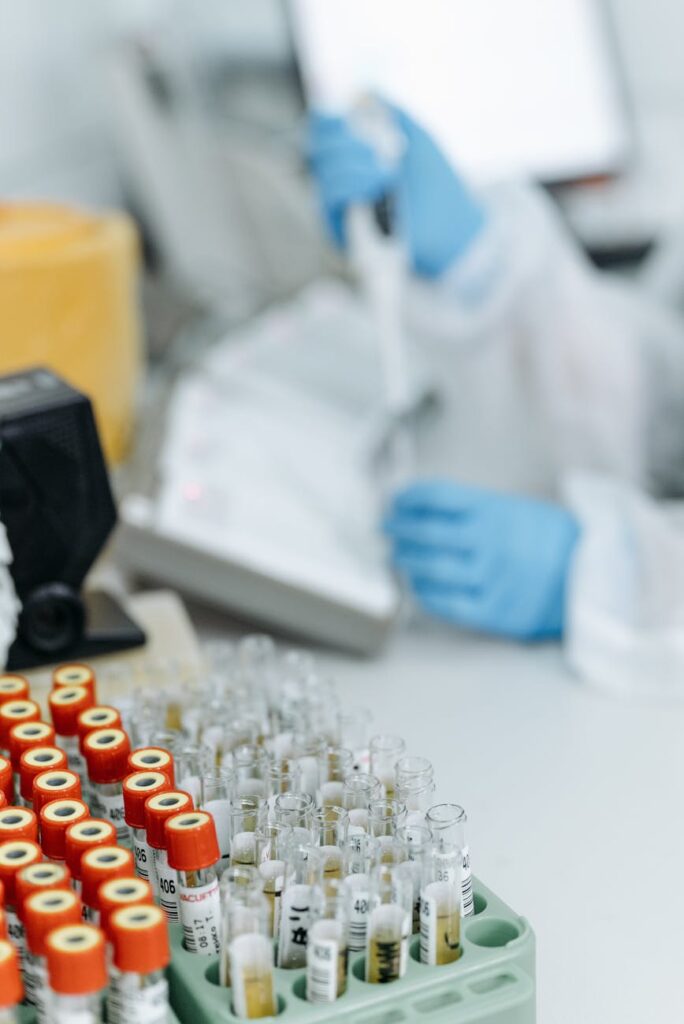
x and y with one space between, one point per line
492 983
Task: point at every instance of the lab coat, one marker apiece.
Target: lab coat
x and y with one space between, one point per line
560 381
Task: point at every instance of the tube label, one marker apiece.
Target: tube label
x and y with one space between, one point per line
467 884
128 1003
295 920
440 923
110 806
200 916
16 934
359 909
36 984
144 861
167 885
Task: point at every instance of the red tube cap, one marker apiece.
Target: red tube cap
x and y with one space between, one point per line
18 823
99 716
6 780
122 892
58 784
192 842
74 674
13 712
26 736
13 687
34 762
37 877
100 864
82 836
11 988
137 789
66 704
76 960
55 819
14 856
140 939
46 910
106 752
153 759
158 809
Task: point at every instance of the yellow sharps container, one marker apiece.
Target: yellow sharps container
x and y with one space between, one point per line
68 301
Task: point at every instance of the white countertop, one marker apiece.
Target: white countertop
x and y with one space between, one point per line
575 804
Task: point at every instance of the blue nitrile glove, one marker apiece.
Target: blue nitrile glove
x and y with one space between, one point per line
440 217
491 562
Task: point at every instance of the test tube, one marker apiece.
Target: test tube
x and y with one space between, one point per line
15 855
12 713
77 973
60 784
193 851
385 817
308 750
216 796
153 759
385 750
251 771
353 726
138 989
81 836
98 865
137 788
358 792
26 736
32 763
116 893
416 840
327 951
440 904
245 912
18 823
271 850
303 871
44 911
106 752
75 674
253 987
55 819
188 766
245 815
447 823
6 780
13 687
11 988
66 703
389 925
296 810
360 855
331 825
336 764
283 775
158 809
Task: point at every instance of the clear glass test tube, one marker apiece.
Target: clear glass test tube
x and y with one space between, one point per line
416 840
418 796
358 792
389 925
251 771
447 822
303 873
217 791
354 726
359 856
336 763
331 825
245 912
385 817
246 814
327 951
296 810
440 904
272 842
385 750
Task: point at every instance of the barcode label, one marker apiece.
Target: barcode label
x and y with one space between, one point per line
166 885
16 934
359 910
467 885
110 806
321 971
36 983
200 917
127 1003
428 930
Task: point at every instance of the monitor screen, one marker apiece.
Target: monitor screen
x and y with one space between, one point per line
508 87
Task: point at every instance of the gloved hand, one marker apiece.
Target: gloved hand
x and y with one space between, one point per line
439 216
491 562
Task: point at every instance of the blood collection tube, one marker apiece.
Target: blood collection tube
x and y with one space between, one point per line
82 836
75 674
66 704
12 713
98 865
55 819
6 779
14 856
389 925
18 823
440 904
26 736
59 784
249 955
303 873
152 759
33 763
43 912
327 951
447 823
36 877
158 809
138 989
106 752
137 788
11 988
122 892
77 973
385 751
13 687
99 716
193 851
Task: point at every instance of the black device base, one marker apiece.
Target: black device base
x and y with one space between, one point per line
106 629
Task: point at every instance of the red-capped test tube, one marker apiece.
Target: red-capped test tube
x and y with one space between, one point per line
12 712
99 716
137 788
138 989
106 752
98 865
14 856
194 852
59 784
11 988
77 973
66 704
26 736
153 759
122 892
82 836
35 762
55 819
18 823
6 780
35 877
43 912
75 674
158 809
13 687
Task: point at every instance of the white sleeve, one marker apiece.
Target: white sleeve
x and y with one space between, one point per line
9 602
625 606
